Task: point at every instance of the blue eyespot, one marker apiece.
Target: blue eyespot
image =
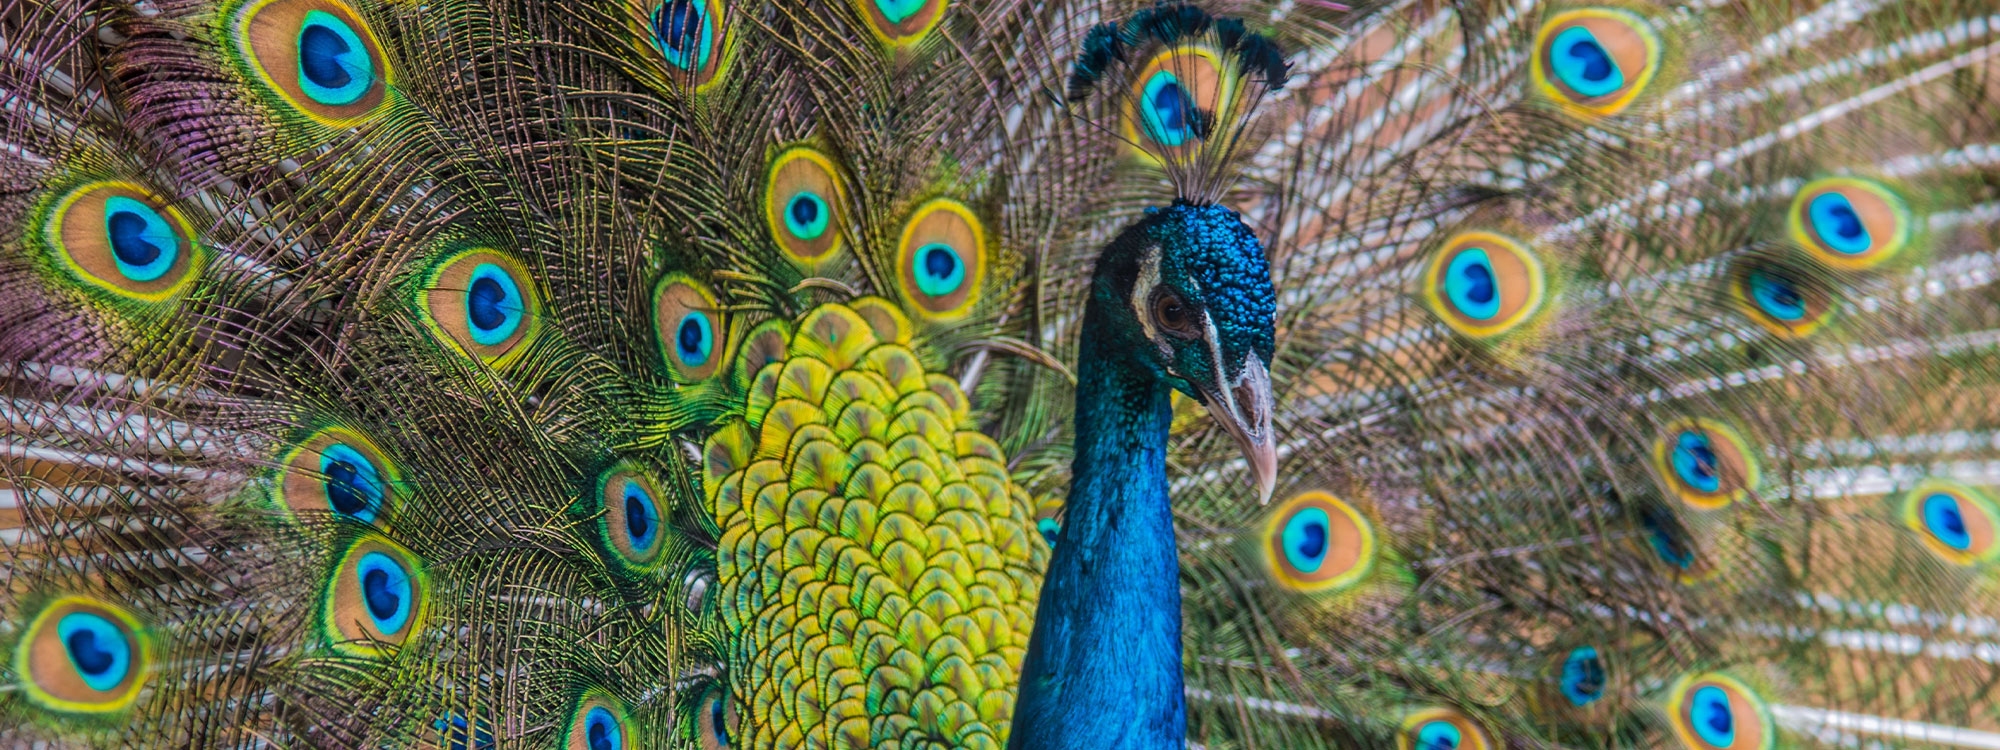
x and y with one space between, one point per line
941 259
1305 539
354 486
1695 463
1167 110
1946 522
1470 284
718 722
694 339
1704 463
461 736
1050 528
1583 64
806 216
898 11
939 271
684 33
334 66
601 730
1777 296
1438 735
1713 721
143 244
631 520
385 589
1838 224
1583 677
642 519
493 305
1666 542
99 649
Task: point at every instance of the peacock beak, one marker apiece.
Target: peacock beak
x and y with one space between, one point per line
1244 409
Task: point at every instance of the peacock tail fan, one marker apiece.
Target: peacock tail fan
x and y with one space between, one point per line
701 373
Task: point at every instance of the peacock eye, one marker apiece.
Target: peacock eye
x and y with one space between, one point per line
339 470
1596 61
717 716
376 598
598 723
82 655
1484 285
1174 101
483 301
1719 712
801 204
689 323
1316 543
1851 224
1583 676
942 259
632 518
1955 522
319 56
120 238
689 36
1705 463
1441 729
1784 300
1172 315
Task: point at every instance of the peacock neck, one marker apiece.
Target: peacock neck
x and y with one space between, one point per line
1103 668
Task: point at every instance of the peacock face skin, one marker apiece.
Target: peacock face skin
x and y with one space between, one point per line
1192 294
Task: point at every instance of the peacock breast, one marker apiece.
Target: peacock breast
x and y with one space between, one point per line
878 569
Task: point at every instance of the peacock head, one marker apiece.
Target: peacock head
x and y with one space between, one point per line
1188 291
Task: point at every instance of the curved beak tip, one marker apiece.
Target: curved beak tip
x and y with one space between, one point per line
1245 412
1263 460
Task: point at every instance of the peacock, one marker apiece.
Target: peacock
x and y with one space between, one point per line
1221 374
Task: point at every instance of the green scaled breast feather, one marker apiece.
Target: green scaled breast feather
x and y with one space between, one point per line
876 558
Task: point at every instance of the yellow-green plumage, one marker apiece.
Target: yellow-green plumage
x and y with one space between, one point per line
876 555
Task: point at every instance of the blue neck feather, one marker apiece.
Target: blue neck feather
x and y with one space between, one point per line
1103 668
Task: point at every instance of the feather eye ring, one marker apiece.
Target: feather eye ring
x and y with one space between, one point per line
118 238
600 722
1849 223
1789 302
339 470
1705 463
318 56
1957 523
632 523
83 655
376 598
1718 712
485 302
1441 729
943 259
688 321
1316 543
803 205
1595 62
1484 285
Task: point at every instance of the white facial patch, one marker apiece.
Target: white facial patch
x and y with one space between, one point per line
1142 295
1214 340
